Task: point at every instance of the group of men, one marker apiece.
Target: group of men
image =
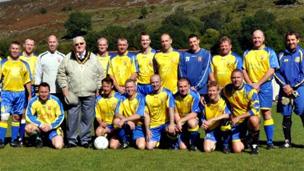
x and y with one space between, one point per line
151 98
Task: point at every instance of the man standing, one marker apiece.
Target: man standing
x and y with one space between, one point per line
290 77
103 55
48 64
159 113
166 63
80 76
45 114
224 63
122 66
15 77
195 65
144 61
259 65
245 108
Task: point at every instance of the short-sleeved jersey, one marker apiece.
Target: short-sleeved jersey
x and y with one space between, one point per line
106 106
122 67
222 67
157 106
187 104
291 69
129 107
196 67
167 67
144 62
49 112
32 62
211 110
242 100
14 74
104 62
258 61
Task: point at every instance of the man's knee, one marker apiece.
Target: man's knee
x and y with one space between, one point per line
192 123
5 117
58 142
16 118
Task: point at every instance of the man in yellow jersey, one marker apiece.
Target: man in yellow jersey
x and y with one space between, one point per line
144 62
166 63
128 119
245 108
159 113
106 105
259 64
15 77
122 66
45 115
225 62
215 113
103 55
186 110
29 57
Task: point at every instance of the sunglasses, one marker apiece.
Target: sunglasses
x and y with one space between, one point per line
77 44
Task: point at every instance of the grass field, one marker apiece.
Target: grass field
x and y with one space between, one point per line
132 159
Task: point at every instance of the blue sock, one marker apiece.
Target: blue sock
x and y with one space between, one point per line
269 130
15 130
194 136
226 139
3 128
22 129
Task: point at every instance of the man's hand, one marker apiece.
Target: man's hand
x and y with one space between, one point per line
103 124
131 125
65 92
121 122
256 86
206 124
288 90
171 128
235 120
179 126
45 127
148 135
203 101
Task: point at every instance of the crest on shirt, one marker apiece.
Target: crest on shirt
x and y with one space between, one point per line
285 60
199 59
263 57
297 59
187 58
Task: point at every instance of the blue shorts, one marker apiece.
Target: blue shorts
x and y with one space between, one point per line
13 102
297 106
144 89
239 131
138 133
265 95
213 135
53 133
157 132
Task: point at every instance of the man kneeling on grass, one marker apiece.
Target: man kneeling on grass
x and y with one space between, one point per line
44 115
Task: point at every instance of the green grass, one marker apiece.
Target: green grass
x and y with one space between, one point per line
132 159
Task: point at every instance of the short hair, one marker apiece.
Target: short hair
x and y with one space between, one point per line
52 35
122 39
166 34
15 43
44 84
130 81
102 38
184 79
224 39
237 70
192 36
213 84
28 39
75 39
144 34
290 33
108 80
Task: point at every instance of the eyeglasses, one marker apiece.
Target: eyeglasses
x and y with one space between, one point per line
77 44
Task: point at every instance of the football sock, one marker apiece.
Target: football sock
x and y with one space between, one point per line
3 127
22 129
269 129
15 130
286 124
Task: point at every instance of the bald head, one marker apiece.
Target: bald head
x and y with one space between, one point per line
166 42
258 39
155 82
52 43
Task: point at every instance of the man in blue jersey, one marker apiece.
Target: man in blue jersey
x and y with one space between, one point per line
290 77
195 65
45 115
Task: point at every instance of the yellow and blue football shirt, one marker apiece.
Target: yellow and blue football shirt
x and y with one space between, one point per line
242 100
122 67
258 61
157 107
49 112
32 62
212 110
14 74
106 106
187 104
222 67
104 62
167 68
144 62
129 107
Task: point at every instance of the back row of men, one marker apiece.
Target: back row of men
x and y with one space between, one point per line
79 76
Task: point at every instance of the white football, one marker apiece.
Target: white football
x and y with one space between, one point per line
101 143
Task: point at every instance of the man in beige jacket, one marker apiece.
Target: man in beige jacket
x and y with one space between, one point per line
80 76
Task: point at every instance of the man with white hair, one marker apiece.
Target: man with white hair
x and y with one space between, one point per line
47 65
79 76
259 64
